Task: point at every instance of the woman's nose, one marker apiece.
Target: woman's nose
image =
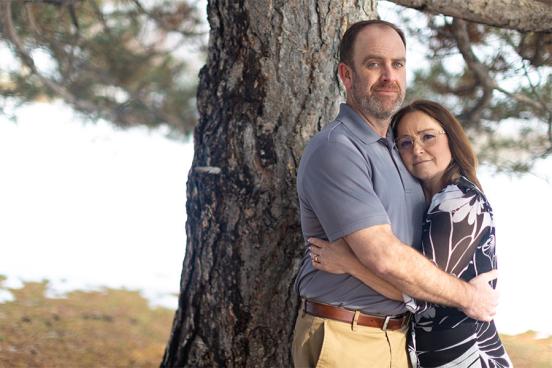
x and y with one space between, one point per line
417 147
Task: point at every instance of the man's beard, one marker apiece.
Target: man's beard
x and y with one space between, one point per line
378 106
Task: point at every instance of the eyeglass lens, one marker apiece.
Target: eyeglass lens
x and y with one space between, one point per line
426 138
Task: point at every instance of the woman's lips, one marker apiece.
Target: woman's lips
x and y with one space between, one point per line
420 162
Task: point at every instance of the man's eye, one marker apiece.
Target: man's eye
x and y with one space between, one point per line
398 64
372 65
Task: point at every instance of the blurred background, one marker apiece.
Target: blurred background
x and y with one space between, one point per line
97 105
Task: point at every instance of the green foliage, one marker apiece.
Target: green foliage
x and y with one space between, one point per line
116 60
130 62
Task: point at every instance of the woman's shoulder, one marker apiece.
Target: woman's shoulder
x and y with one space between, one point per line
462 193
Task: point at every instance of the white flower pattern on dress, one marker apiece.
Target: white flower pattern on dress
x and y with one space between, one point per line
459 237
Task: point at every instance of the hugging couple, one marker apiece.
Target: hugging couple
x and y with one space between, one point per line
400 265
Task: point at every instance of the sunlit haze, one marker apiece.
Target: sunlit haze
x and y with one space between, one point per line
89 206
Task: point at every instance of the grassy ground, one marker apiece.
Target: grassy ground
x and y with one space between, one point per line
117 328
109 328
528 352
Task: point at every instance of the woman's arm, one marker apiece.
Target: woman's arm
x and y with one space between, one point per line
458 223
337 257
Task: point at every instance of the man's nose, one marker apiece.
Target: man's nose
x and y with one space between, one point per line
388 73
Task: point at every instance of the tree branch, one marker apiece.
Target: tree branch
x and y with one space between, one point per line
460 33
101 17
549 122
523 99
162 23
115 114
11 34
534 91
521 15
32 21
536 47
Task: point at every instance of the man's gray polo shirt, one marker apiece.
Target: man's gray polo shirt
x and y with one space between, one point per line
349 179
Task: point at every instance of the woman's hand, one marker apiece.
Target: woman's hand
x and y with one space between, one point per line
336 257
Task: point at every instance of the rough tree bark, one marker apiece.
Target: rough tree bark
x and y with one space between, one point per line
268 85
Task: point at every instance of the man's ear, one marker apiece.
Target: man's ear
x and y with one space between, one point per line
346 75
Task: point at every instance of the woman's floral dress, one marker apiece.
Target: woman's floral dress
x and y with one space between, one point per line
459 237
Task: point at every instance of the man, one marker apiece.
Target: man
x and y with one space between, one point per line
353 185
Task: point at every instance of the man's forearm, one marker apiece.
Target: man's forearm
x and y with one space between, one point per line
402 266
363 273
409 271
416 276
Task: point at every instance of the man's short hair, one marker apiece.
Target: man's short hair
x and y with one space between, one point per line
346 47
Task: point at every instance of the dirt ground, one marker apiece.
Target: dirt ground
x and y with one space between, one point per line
117 328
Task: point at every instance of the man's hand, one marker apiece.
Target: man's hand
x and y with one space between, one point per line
484 300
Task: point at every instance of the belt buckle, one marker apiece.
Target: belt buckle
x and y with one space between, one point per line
384 327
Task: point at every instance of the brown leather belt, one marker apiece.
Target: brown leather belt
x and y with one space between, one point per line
347 316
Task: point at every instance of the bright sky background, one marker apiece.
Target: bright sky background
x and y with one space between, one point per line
88 206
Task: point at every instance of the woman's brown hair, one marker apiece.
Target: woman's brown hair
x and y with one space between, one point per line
464 161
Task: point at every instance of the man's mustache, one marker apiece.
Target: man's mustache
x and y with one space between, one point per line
394 87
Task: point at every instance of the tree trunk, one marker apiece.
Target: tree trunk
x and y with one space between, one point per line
268 85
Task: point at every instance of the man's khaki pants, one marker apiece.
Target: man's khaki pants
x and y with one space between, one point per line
325 343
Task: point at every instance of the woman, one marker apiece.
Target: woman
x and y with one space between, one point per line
458 236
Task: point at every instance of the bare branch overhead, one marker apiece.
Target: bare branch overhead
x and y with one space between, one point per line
486 81
521 15
460 33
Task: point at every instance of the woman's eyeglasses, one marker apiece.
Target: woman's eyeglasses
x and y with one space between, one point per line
427 138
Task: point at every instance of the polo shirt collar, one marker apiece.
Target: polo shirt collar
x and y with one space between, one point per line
358 126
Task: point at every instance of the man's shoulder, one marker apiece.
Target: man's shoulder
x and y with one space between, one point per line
333 134
332 152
